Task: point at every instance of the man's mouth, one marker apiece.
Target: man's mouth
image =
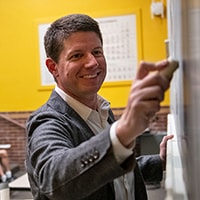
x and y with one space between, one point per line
90 76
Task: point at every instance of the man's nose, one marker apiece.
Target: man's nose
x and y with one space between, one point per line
91 61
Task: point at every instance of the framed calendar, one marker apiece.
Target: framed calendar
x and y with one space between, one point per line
120 46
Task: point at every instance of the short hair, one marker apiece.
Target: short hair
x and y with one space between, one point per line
63 27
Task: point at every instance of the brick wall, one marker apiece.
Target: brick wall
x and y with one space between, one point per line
157 124
12 131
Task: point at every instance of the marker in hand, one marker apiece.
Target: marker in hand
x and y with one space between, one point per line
168 71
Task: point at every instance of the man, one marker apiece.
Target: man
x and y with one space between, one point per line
5 172
75 150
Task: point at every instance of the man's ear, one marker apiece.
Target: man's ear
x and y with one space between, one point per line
52 67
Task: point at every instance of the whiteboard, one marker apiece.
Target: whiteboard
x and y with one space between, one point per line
175 51
184 45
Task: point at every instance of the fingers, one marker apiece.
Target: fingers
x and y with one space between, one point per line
145 102
147 91
163 146
165 139
151 80
147 67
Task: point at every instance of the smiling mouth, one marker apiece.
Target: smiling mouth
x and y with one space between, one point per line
90 76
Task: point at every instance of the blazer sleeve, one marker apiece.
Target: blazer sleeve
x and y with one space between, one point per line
151 167
64 161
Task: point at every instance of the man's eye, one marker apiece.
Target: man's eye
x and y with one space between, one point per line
98 53
75 56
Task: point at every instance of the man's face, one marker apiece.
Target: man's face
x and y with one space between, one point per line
81 68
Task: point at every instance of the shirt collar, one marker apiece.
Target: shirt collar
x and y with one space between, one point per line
84 111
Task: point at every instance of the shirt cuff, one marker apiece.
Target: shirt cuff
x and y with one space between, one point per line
120 152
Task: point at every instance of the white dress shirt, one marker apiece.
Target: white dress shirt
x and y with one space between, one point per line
97 121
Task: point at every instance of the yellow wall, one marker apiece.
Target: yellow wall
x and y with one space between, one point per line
20 70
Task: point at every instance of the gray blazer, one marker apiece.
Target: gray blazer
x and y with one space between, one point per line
65 162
